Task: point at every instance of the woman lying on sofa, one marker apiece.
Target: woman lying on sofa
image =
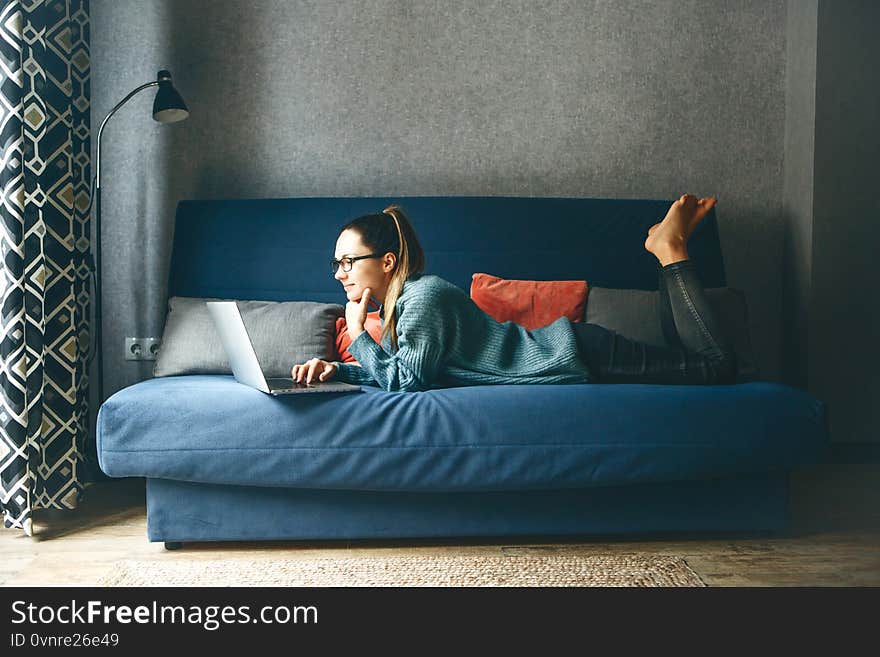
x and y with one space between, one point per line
434 335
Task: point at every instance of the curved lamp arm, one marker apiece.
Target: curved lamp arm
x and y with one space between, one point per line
154 83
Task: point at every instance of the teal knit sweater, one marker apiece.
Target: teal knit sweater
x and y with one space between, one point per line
444 339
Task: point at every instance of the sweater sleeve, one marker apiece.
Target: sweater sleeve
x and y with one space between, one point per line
419 358
348 373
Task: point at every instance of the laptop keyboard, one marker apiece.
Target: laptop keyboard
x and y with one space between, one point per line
286 384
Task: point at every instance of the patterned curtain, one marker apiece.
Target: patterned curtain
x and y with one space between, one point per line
44 244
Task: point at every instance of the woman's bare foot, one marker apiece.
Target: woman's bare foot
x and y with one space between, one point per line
667 240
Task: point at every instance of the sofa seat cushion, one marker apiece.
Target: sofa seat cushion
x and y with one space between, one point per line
211 429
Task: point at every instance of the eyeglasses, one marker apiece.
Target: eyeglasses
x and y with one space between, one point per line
346 262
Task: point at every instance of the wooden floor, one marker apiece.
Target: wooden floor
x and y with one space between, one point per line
834 540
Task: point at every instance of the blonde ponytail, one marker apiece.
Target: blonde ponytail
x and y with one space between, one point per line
398 278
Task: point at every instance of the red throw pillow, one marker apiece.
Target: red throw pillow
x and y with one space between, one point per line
531 304
373 326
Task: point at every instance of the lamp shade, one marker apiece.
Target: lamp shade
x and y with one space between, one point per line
168 107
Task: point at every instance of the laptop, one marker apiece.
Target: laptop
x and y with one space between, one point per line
243 359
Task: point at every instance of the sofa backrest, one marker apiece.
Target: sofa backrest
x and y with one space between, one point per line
280 249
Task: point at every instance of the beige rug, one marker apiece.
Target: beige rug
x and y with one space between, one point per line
477 570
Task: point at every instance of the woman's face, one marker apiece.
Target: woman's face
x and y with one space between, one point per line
373 273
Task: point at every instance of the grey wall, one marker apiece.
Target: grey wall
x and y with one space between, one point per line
831 209
800 124
844 351
586 99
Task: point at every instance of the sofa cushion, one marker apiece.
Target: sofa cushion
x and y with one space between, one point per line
210 429
372 325
531 304
635 315
283 334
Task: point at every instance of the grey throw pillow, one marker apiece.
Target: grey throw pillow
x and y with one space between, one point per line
283 333
635 315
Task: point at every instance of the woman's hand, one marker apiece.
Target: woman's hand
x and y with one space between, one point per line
356 314
312 369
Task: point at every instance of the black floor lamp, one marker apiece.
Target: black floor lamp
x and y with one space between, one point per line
168 107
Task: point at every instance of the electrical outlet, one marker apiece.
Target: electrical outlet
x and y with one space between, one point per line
142 348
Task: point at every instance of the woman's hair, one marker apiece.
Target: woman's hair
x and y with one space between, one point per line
390 231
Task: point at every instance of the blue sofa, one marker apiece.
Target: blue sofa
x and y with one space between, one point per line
225 462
